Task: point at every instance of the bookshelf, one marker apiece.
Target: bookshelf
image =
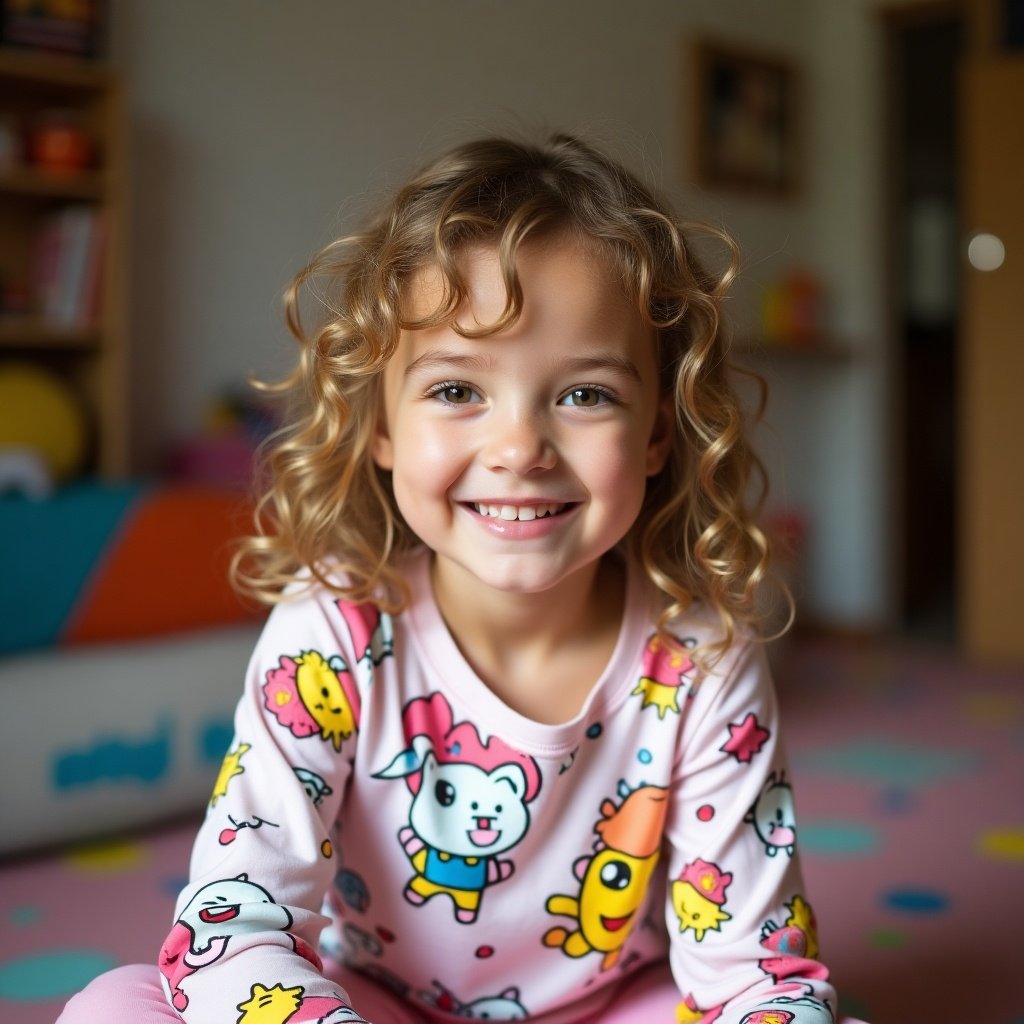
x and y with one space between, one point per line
62 286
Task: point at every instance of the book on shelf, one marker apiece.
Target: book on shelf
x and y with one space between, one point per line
68 267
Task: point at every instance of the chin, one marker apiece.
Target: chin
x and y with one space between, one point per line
529 579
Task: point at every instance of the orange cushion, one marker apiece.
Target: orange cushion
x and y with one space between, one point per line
165 569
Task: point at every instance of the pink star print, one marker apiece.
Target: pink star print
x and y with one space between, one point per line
745 739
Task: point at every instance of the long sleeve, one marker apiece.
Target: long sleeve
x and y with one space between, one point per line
243 945
743 938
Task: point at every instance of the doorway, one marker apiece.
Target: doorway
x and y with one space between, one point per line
924 49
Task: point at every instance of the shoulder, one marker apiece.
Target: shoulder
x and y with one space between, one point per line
315 611
325 599
716 662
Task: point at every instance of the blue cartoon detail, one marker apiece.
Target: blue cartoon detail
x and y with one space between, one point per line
469 806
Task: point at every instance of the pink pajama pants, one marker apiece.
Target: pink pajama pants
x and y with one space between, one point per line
134 994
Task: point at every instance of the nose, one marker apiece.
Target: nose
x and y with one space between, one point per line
519 442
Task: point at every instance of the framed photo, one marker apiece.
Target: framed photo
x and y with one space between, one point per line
746 119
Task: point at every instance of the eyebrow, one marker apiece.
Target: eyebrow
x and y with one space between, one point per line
612 363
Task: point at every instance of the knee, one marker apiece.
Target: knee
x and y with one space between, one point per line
106 997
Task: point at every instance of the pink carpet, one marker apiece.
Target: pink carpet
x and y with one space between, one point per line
908 770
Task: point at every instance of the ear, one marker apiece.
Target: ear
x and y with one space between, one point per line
381 448
662 433
513 775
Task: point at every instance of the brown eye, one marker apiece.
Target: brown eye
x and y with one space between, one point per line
584 398
454 393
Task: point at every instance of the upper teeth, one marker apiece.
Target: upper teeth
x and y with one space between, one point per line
522 512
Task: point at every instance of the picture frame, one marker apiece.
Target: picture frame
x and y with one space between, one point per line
746 112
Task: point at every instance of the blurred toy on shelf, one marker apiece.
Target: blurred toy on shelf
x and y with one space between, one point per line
224 452
59 143
791 310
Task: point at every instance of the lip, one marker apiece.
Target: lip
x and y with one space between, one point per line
520 529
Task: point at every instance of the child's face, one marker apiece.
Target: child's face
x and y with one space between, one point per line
522 457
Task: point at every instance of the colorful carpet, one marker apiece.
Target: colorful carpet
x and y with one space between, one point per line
908 770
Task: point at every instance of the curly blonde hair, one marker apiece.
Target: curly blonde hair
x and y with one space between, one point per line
327 503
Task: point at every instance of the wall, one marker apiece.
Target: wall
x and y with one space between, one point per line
259 130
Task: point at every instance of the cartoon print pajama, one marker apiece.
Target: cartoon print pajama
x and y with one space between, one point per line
478 863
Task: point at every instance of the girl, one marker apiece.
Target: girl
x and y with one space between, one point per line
510 712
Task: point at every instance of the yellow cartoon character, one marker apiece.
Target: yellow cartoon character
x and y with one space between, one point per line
698 896
796 938
270 1005
280 1005
687 1012
230 767
613 882
312 696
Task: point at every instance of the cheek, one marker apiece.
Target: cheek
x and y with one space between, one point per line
618 462
426 464
423 455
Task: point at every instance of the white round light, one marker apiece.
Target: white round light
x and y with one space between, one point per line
986 252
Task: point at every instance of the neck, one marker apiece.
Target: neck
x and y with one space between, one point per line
500 632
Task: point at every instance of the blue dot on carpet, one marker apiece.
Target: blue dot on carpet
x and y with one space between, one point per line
57 972
837 838
896 801
24 915
916 901
898 764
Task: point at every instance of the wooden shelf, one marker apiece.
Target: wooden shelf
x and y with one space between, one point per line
38 206
29 181
28 333
828 350
51 72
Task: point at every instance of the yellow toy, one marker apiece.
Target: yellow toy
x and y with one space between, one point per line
41 414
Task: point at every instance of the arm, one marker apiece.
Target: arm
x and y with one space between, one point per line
243 946
744 943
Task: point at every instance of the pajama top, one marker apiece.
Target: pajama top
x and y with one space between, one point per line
480 863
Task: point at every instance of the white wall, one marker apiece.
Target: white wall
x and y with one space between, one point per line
259 128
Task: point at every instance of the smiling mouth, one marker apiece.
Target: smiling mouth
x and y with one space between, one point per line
520 513
484 836
614 924
215 915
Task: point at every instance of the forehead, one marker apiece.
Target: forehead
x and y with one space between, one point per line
562 278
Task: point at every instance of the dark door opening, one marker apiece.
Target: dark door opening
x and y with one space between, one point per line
925 241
